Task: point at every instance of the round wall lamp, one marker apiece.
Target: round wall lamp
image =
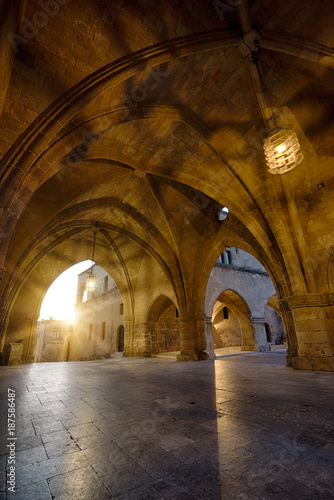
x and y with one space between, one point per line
222 213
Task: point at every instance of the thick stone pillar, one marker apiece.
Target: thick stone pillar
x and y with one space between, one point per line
28 356
260 334
22 327
313 317
128 335
144 339
210 350
247 335
290 332
189 339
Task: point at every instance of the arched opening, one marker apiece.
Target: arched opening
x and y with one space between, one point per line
57 317
99 326
120 338
268 332
274 322
90 331
225 328
235 303
231 323
163 326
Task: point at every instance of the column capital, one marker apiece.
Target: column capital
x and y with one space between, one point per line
200 316
307 300
258 320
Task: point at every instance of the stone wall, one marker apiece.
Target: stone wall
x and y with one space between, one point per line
168 331
95 332
274 321
52 340
226 332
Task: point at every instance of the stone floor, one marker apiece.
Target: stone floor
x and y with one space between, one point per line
241 427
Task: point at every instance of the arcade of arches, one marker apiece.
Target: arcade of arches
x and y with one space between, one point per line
145 119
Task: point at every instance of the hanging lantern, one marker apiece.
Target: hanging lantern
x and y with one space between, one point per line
282 151
91 280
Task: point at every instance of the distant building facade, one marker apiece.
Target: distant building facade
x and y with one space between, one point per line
239 303
52 341
99 326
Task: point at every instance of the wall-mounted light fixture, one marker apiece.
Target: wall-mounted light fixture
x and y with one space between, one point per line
222 213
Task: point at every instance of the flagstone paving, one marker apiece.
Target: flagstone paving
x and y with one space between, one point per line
240 427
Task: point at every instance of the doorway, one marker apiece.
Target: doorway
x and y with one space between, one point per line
120 338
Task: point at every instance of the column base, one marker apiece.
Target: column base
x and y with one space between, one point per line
28 359
127 354
187 357
264 348
206 356
249 348
314 364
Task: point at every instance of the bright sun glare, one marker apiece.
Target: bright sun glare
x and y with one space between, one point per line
60 299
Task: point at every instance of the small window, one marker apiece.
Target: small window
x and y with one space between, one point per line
121 309
56 333
90 332
103 330
106 283
222 259
228 257
225 312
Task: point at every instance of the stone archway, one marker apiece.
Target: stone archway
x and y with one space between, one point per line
235 303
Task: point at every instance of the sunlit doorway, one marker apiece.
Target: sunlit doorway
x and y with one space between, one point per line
57 317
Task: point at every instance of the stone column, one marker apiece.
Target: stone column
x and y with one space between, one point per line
290 332
142 339
260 334
189 342
128 335
313 317
247 335
209 347
28 357
3 330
